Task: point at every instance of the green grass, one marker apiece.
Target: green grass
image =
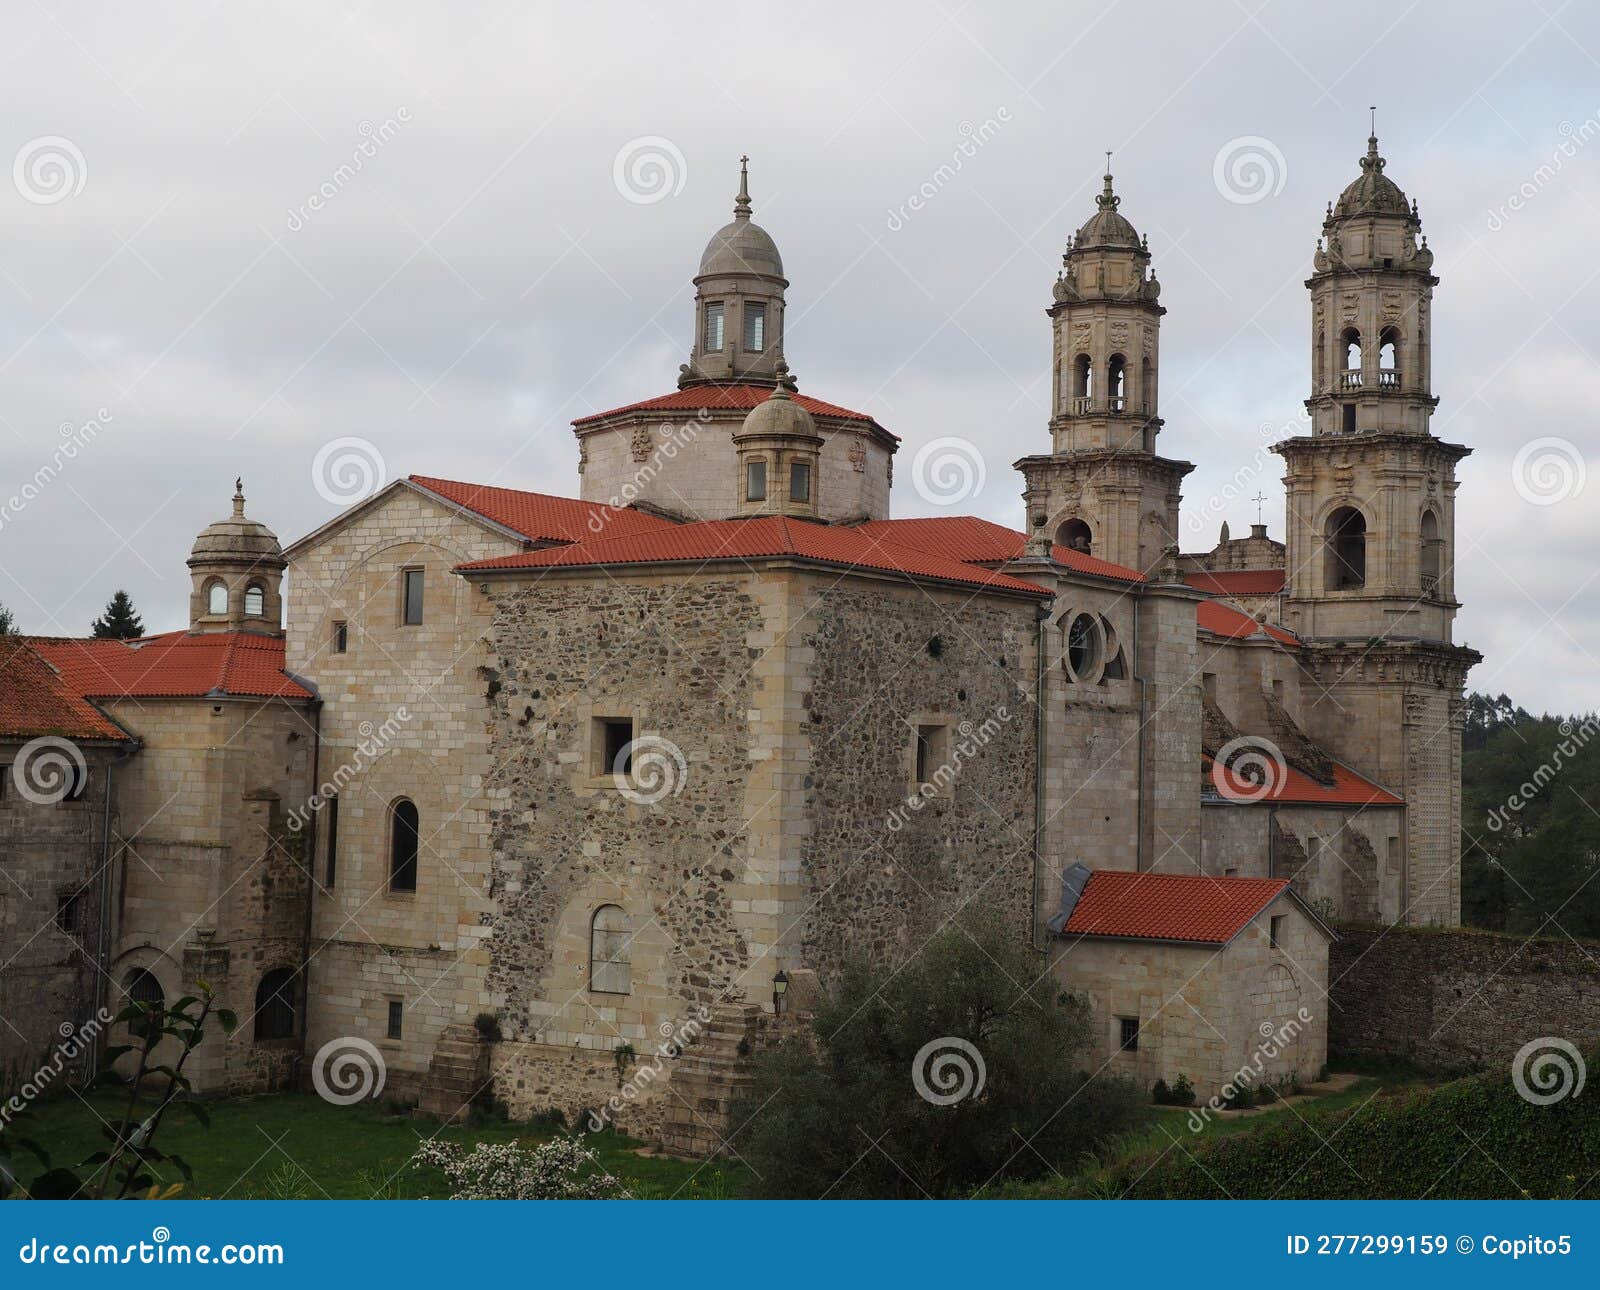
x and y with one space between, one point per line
290 1145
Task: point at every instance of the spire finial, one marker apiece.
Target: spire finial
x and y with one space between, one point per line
741 204
238 496
1372 159
1107 199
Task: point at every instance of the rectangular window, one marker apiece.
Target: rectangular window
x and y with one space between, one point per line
612 737
755 327
799 481
5 778
713 327
755 481
932 755
411 607
1275 930
331 806
1128 1028
341 637
1230 873
396 1018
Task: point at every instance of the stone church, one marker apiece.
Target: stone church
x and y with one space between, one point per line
517 789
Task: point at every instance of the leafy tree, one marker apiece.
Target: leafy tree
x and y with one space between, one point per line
8 624
120 621
849 1113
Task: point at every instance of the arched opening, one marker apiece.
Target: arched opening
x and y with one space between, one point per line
141 987
1146 394
1082 382
275 1005
610 958
1074 535
1432 552
255 600
1116 382
1319 360
1350 345
1085 647
404 827
1389 359
1346 540
217 597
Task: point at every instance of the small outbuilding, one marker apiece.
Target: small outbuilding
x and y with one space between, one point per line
1222 980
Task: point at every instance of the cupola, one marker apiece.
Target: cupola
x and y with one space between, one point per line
236 569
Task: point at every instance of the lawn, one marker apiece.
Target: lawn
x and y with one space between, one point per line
291 1145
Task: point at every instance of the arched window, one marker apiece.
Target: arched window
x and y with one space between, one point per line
403 833
1116 382
275 1005
140 986
255 600
1082 377
1389 359
1085 646
217 598
1074 535
1346 540
1432 552
610 969
1350 343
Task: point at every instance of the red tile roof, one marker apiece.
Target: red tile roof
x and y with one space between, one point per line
757 538
1294 787
1238 582
966 537
541 517
173 665
1223 620
1169 906
36 700
736 397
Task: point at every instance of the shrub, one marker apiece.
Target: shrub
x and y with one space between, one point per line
554 1170
1160 1094
933 1078
1239 1097
1182 1091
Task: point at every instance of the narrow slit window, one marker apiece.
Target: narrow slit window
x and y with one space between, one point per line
341 637
404 831
331 806
412 606
396 1026
1128 1034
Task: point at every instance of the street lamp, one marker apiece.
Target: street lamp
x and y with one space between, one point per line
780 987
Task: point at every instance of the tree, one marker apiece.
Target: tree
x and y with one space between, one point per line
935 1078
120 622
8 624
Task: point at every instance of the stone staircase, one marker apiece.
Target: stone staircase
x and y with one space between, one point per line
707 1080
457 1074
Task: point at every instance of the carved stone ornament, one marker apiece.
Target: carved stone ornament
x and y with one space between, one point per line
642 443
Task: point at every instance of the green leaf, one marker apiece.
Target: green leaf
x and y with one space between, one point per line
228 1019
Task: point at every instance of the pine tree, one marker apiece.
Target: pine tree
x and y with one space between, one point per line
120 622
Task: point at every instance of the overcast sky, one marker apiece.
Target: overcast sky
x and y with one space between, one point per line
525 194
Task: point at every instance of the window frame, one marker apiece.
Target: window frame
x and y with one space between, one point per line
212 587
255 592
753 311
1127 1040
714 309
276 1011
754 468
394 1022
800 471
400 869
612 964
1275 925
341 636
413 604
331 841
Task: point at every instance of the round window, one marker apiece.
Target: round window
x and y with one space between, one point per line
1084 646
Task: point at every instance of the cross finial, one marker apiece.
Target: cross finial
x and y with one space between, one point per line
1258 499
1374 111
741 204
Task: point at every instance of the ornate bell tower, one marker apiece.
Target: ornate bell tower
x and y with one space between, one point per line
1103 489
1370 546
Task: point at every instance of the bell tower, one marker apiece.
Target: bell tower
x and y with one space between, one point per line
1370 546
1103 489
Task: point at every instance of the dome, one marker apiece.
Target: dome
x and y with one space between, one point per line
1106 228
237 540
1373 193
778 416
742 246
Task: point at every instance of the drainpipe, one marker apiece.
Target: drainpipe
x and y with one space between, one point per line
1041 618
311 886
